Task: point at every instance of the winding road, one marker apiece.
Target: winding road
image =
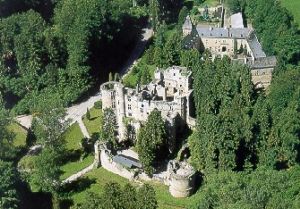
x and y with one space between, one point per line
77 111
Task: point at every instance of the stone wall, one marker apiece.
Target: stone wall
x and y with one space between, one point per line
180 179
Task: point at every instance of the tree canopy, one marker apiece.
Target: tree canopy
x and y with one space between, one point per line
151 138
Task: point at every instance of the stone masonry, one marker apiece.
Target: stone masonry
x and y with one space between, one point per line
170 92
237 42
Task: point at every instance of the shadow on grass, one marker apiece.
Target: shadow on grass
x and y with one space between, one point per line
72 156
79 185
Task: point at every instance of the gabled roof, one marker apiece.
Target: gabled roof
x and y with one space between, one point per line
239 33
263 62
255 47
127 161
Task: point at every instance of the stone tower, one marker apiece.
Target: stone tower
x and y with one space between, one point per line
120 111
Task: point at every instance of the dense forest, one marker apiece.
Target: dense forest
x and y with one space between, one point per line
63 50
246 144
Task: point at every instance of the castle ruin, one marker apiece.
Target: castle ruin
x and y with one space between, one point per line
170 92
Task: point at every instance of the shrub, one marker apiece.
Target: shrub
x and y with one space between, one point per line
98 105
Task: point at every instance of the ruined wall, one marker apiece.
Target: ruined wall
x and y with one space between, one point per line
108 164
181 179
262 77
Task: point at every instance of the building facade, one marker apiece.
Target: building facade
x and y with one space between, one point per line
170 92
239 43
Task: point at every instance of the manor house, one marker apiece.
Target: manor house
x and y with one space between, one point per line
237 42
170 92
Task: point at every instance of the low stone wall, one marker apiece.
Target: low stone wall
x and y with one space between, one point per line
108 164
179 176
79 174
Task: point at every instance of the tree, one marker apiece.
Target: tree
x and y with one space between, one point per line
129 197
92 201
189 58
151 138
8 180
110 76
49 124
172 50
155 13
47 171
112 196
260 189
182 15
223 137
109 127
88 114
6 137
146 198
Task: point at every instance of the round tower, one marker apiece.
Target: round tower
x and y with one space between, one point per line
120 111
182 179
108 94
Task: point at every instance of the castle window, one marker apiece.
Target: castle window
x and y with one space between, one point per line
113 105
130 114
174 74
242 35
141 110
129 107
224 49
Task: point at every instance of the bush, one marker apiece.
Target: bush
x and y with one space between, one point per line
98 105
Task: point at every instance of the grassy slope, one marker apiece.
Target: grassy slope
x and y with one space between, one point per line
93 125
73 137
294 7
73 167
20 134
100 177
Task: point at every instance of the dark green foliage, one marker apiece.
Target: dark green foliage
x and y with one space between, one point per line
146 198
268 17
260 189
151 138
190 58
172 50
8 180
98 105
281 145
182 15
109 127
49 125
88 114
235 6
116 197
41 59
47 171
7 150
223 96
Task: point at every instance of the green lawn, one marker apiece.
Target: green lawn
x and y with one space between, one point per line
294 7
99 177
210 3
20 134
94 124
74 167
73 137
